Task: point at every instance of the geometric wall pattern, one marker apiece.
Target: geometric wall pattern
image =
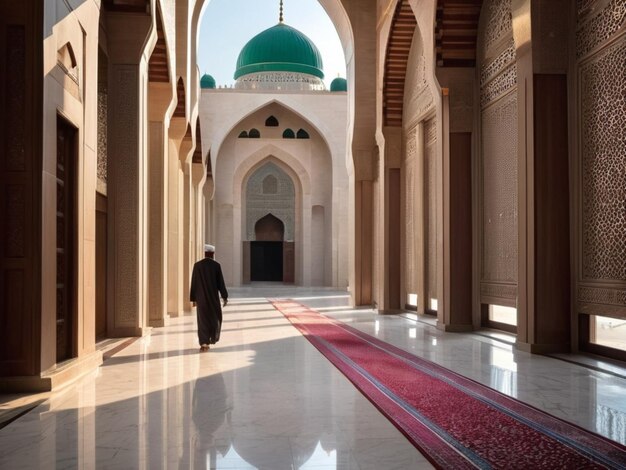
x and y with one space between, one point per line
601 253
430 207
498 162
270 191
604 165
410 213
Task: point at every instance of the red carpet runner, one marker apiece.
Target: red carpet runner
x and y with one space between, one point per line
455 422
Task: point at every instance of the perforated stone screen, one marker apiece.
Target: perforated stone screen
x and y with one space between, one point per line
270 191
603 147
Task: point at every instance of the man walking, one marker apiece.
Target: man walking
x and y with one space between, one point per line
207 284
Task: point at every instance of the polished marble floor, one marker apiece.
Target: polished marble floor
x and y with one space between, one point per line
264 398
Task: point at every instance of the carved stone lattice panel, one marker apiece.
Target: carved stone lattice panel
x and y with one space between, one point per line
603 155
493 68
601 27
430 206
418 97
410 214
498 291
603 296
281 203
499 191
498 23
102 135
499 86
126 150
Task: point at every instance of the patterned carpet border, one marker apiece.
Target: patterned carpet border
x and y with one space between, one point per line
454 421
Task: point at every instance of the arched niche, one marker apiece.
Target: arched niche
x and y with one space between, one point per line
269 229
280 202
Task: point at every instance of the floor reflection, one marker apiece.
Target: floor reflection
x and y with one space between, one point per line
264 398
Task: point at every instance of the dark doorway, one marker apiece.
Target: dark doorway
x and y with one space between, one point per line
101 266
266 259
66 204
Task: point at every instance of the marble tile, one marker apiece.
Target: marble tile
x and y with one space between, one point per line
265 398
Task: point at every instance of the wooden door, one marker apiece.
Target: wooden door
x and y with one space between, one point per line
65 220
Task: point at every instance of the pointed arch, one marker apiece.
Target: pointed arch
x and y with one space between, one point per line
254 134
179 112
269 229
271 122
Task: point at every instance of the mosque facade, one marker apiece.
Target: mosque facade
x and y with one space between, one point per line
278 146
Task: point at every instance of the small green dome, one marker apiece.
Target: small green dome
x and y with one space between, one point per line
339 84
207 81
280 48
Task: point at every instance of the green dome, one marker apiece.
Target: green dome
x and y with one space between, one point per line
280 48
207 81
339 84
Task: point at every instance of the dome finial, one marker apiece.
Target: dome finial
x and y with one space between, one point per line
280 17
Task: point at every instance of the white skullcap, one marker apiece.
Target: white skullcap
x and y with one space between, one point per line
209 249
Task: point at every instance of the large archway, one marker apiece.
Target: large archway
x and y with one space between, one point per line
350 19
269 226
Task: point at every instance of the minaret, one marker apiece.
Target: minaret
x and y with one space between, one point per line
280 17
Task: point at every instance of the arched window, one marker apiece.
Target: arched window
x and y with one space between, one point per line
243 135
302 134
289 134
270 185
254 134
271 122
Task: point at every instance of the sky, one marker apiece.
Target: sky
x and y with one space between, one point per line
227 25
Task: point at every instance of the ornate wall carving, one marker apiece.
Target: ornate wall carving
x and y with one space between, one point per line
281 203
499 191
102 136
279 81
430 206
499 22
410 213
601 53
603 138
124 148
498 159
600 27
419 99
602 296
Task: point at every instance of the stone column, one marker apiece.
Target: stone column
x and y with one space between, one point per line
158 149
389 227
456 311
198 179
361 67
544 303
127 181
174 306
184 204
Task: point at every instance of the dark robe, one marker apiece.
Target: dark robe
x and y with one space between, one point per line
207 282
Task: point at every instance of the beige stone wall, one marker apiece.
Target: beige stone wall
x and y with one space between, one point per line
68 93
316 165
